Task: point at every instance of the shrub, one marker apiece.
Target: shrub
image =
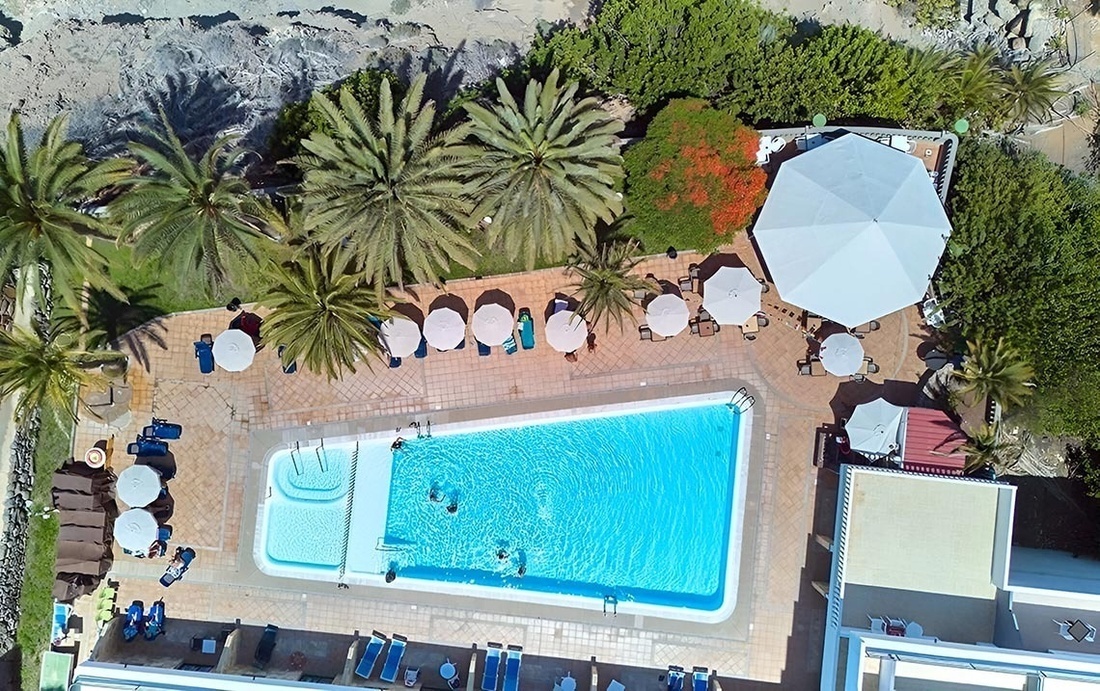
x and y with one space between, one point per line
934 13
297 120
692 182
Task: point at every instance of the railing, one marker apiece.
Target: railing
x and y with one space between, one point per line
352 473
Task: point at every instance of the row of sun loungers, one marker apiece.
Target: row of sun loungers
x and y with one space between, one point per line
700 679
377 642
512 660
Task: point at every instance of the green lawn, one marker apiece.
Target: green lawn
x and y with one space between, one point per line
36 603
491 263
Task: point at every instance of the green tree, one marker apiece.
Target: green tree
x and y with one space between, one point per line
1023 263
979 84
389 188
47 371
606 282
1031 90
546 171
297 120
42 219
995 370
649 50
191 216
323 314
692 182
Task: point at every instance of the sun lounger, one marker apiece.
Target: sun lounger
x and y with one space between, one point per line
422 349
510 346
491 672
76 533
511 668
365 668
395 362
144 446
87 519
526 329
162 429
78 501
393 658
675 678
700 679
265 647
483 350
204 351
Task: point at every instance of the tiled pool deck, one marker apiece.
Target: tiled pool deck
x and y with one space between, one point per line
231 419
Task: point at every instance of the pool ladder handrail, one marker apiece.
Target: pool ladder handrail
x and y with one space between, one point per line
742 400
348 506
613 602
298 448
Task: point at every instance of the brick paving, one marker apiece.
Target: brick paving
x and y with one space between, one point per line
229 420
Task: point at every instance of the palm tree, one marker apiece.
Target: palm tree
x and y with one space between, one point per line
47 371
606 283
189 215
979 80
997 371
387 188
322 313
42 224
121 324
547 170
1031 90
986 447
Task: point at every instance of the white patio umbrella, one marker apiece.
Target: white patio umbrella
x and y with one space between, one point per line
667 314
566 331
234 350
444 328
493 324
732 295
852 230
401 336
138 485
874 427
135 530
841 354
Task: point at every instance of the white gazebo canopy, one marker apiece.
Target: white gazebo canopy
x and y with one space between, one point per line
667 314
444 328
874 427
401 336
852 230
732 295
493 324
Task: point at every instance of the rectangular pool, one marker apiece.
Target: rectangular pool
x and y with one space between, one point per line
636 505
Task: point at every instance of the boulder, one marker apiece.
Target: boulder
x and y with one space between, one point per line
993 22
1017 26
1040 29
1017 43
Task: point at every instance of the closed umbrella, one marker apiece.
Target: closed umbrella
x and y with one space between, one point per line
493 324
234 350
135 530
873 428
444 328
841 354
852 230
732 295
138 485
667 314
401 336
566 331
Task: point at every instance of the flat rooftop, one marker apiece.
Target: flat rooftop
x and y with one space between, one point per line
924 549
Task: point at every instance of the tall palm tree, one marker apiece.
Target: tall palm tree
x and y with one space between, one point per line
606 282
1031 90
42 224
388 188
191 215
997 371
978 80
547 170
986 447
323 314
47 371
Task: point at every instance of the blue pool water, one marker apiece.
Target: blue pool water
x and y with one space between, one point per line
636 505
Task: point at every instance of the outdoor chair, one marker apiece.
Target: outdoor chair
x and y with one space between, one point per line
686 284
764 287
490 674
762 320
204 352
878 625
411 675
640 294
645 332
393 658
162 429
693 326
395 362
365 668
265 647
700 679
809 368
147 446
512 667
866 328
675 678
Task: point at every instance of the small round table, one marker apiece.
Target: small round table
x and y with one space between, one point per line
568 684
447 670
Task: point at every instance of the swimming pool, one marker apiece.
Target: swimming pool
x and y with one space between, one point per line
637 505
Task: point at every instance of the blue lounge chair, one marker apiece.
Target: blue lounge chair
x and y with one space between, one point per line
526 329
675 678
145 446
393 659
162 429
135 621
395 362
61 614
204 351
491 673
483 350
700 679
511 668
265 647
510 346
422 349
154 621
365 668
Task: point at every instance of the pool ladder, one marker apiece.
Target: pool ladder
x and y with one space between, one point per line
415 424
741 400
612 602
299 463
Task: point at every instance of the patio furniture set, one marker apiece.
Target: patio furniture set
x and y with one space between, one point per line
835 349
730 296
892 626
392 663
1076 631
235 348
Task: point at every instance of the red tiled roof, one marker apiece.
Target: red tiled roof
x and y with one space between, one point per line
932 442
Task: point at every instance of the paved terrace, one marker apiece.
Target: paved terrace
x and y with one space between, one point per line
231 419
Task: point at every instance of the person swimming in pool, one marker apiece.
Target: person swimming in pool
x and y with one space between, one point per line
391 575
502 554
397 444
453 506
435 494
